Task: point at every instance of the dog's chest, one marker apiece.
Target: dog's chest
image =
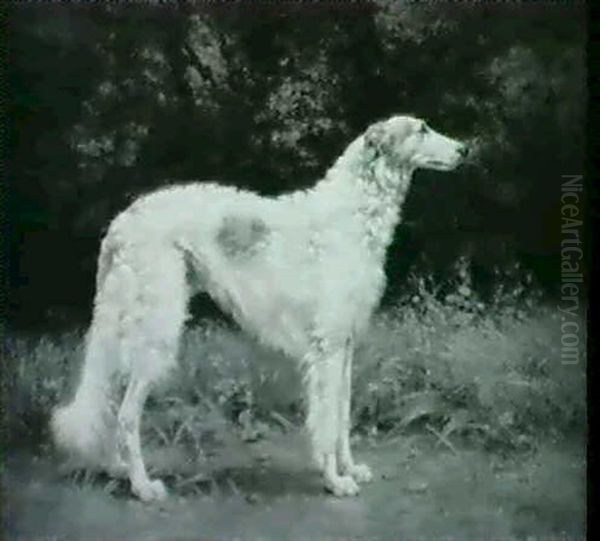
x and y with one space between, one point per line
365 289
351 280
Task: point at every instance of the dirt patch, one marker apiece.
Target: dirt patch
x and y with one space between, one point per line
267 493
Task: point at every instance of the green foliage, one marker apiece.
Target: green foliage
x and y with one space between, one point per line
491 371
39 372
449 364
110 102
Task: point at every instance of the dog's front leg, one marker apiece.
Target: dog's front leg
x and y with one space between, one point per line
360 472
324 385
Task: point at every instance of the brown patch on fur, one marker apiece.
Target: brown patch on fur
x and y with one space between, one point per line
241 236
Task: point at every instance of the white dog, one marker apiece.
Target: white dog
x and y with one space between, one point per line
303 272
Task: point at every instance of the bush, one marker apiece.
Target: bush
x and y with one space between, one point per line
449 363
458 365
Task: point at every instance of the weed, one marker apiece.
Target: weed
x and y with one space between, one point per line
442 362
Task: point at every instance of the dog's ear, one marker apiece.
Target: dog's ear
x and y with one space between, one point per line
377 138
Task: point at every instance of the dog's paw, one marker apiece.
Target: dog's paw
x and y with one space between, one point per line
151 491
361 473
341 486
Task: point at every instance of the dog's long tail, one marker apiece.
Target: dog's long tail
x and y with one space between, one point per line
86 427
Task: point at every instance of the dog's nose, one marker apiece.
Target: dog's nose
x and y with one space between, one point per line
463 151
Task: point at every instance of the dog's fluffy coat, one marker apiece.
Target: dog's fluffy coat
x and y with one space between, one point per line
302 272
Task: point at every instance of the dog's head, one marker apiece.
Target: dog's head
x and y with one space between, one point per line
409 142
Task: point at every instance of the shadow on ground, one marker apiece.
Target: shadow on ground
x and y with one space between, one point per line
421 491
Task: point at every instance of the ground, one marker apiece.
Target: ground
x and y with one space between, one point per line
422 490
473 425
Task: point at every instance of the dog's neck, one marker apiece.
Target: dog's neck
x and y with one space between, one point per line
376 187
383 191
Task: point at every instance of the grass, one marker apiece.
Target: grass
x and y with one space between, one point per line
447 364
476 422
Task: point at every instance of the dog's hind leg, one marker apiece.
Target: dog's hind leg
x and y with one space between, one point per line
149 348
360 472
324 386
142 378
129 441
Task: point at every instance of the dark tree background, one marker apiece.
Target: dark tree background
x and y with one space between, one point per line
106 102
